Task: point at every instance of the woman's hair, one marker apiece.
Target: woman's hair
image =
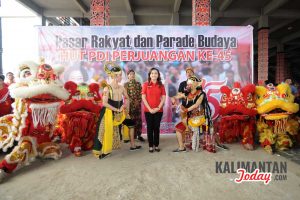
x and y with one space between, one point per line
158 78
9 73
2 77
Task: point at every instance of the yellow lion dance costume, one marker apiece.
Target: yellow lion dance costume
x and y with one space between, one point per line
275 126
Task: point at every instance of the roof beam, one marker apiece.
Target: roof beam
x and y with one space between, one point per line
177 4
32 6
54 21
280 25
272 6
63 13
82 6
130 18
290 37
232 13
74 13
225 4
250 21
276 27
286 13
267 9
174 19
153 11
175 15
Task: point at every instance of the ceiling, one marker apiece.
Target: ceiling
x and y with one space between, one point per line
281 16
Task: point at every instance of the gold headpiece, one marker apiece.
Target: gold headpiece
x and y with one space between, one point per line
115 69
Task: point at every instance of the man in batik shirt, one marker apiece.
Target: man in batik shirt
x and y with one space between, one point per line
134 89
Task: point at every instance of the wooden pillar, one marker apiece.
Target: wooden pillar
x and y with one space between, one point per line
280 67
201 13
100 13
263 54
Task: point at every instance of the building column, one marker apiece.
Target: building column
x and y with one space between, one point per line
263 49
201 15
263 54
280 71
43 20
100 13
280 67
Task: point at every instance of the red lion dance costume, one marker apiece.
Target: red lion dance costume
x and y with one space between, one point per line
37 95
5 102
237 114
275 126
79 117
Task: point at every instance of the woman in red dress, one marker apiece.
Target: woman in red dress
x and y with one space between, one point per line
154 97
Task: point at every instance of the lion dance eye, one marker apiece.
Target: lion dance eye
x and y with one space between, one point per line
236 91
26 74
283 95
224 97
249 97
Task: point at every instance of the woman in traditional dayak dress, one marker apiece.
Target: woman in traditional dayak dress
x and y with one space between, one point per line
196 117
113 114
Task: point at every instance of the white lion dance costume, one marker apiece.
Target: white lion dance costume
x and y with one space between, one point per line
38 96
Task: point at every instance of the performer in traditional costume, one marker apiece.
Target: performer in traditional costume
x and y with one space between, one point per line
196 117
79 116
113 114
275 105
5 99
38 95
237 114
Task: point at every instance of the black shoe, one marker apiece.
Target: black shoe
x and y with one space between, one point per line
135 148
140 138
179 150
102 156
157 149
126 141
222 146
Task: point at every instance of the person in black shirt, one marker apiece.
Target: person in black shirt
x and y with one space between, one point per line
182 86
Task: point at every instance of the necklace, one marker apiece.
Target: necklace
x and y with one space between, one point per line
192 96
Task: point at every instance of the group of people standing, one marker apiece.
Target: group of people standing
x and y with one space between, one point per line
152 94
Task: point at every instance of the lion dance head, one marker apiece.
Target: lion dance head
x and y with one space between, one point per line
38 95
237 114
79 114
275 105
